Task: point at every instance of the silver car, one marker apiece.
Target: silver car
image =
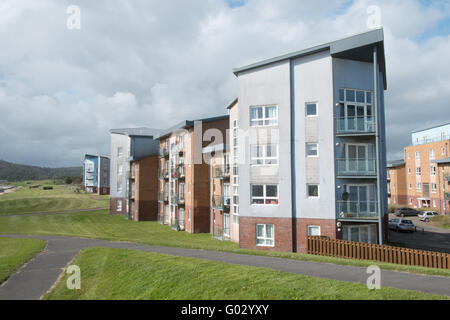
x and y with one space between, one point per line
399 224
427 215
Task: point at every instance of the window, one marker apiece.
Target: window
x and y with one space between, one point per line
410 186
409 155
419 187
311 109
119 169
312 150
433 187
119 205
443 151
235 219
313 190
263 116
418 172
119 151
119 185
264 194
181 191
432 154
265 235
433 171
409 170
417 155
434 204
314 231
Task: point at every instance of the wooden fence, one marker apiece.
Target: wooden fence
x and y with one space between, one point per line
365 251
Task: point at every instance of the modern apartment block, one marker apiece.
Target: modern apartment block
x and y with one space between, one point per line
311 158
132 146
396 183
184 198
425 172
96 174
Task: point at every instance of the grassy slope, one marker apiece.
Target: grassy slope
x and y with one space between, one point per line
441 222
102 225
15 252
126 274
62 197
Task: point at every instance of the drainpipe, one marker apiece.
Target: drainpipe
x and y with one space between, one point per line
377 144
293 173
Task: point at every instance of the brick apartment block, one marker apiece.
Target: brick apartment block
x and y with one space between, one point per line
422 179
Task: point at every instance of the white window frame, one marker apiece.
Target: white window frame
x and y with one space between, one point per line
306 150
309 227
264 198
433 171
432 154
306 109
418 187
263 120
318 191
119 205
267 241
417 155
418 171
120 152
433 188
264 158
442 151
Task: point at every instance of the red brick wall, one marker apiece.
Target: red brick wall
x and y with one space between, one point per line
113 206
282 233
327 228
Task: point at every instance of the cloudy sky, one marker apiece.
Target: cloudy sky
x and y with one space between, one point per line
154 63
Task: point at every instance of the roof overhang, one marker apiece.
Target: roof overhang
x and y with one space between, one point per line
358 47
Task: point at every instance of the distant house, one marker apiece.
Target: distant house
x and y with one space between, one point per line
96 174
130 148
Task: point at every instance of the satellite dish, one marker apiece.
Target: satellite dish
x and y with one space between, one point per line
345 196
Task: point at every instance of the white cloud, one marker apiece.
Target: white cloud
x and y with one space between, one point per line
156 63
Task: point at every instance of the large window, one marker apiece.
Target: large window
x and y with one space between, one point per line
433 170
264 194
418 171
264 154
265 235
119 205
432 154
361 233
263 116
417 155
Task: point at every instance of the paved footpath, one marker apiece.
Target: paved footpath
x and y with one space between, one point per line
34 279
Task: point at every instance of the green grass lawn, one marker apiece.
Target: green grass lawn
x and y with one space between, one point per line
441 222
101 225
126 274
62 197
15 252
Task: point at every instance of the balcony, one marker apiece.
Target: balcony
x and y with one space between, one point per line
220 233
221 172
178 172
357 210
353 168
349 126
163 153
221 203
177 200
447 196
163 197
447 177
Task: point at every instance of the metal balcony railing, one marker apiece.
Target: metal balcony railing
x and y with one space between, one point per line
446 176
178 172
365 210
354 167
221 202
163 174
220 232
177 200
447 196
355 125
163 153
221 172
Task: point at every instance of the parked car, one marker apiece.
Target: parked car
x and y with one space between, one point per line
398 224
427 215
406 212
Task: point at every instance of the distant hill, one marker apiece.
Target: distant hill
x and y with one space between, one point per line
19 172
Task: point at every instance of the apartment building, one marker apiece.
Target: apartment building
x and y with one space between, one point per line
143 189
396 183
96 174
425 170
184 198
128 146
311 158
